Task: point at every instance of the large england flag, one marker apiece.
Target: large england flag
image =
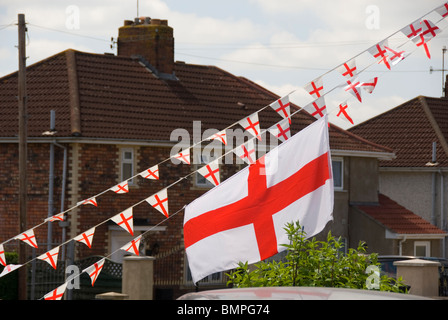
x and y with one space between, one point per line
243 218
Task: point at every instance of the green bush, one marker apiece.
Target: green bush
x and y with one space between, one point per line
9 283
312 263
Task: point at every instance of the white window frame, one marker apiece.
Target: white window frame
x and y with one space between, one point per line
199 180
426 244
124 160
341 160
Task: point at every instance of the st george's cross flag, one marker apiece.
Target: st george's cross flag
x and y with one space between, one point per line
243 219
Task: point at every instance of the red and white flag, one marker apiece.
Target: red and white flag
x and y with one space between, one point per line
370 85
56 217
315 88
379 52
252 125
317 108
28 237
125 220
211 172
343 113
51 257
220 136
9 268
348 69
94 270
122 187
132 246
443 10
86 237
183 156
281 130
247 152
151 173
160 201
2 256
92 201
282 106
243 219
57 293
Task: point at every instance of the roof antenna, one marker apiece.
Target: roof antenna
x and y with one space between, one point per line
137 9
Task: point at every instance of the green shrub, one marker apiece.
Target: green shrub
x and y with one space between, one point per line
9 283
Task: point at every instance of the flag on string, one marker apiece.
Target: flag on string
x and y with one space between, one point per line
315 88
370 85
160 201
57 217
413 30
9 268
92 201
251 125
395 56
317 108
2 256
122 187
94 270
379 52
252 207
151 173
343 112
86 237
443 10
51 257
57 293
183 156
428 31
353 87
282 107
28 237
125 220
281 130
348 69
211 172
220 136
247 152
132 246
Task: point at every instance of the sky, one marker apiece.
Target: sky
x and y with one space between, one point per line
281 45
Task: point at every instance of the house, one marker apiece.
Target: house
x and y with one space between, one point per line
115 116
417 131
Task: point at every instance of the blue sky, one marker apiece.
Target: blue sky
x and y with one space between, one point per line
281 45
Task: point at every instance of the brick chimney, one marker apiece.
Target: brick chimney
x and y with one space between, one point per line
149 38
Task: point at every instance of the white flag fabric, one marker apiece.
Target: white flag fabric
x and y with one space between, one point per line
2 256
252 125
9 268
57 293
51 257
86 237
94 270
125 220
243 219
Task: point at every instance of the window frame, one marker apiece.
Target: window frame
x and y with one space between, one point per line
341 161
426 244
124 161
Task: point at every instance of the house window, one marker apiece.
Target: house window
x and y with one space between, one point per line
127 164
338 173
422 248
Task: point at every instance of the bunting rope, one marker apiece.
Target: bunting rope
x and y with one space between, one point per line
421 30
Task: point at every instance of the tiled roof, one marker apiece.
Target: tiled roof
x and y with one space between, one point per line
114 97
410 130
397 218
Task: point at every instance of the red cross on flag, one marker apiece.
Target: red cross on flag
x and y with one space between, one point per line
160 201
243 219
183 156
122 187
86 237
57 217
57 293
2 256
315 88
211 172
281 130
317 108
252 125
125 220
370 85
28 237
379 52
151 173
132 246
428 31
247 152
353 87
220 136
413 30
282 106
51 257
343 112
94 270
348 69
443 10
9 268
92 201
395 56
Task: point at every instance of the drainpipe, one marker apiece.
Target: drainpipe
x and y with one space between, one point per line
400 245
51 182
442 213
433 191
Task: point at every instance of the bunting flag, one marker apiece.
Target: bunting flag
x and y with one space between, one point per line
353 88
252 125
343 113
91 201
220 136
443 10
183 156
132 246
86 237
315 88
2 256
247 152
151 173
370 85
160 202
282 107
281 130
125 220
421 32
9 268
94 270
379 52
51 257
57 293
28 237
317 108
57 217
211 172
395 56
122 187
348 69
